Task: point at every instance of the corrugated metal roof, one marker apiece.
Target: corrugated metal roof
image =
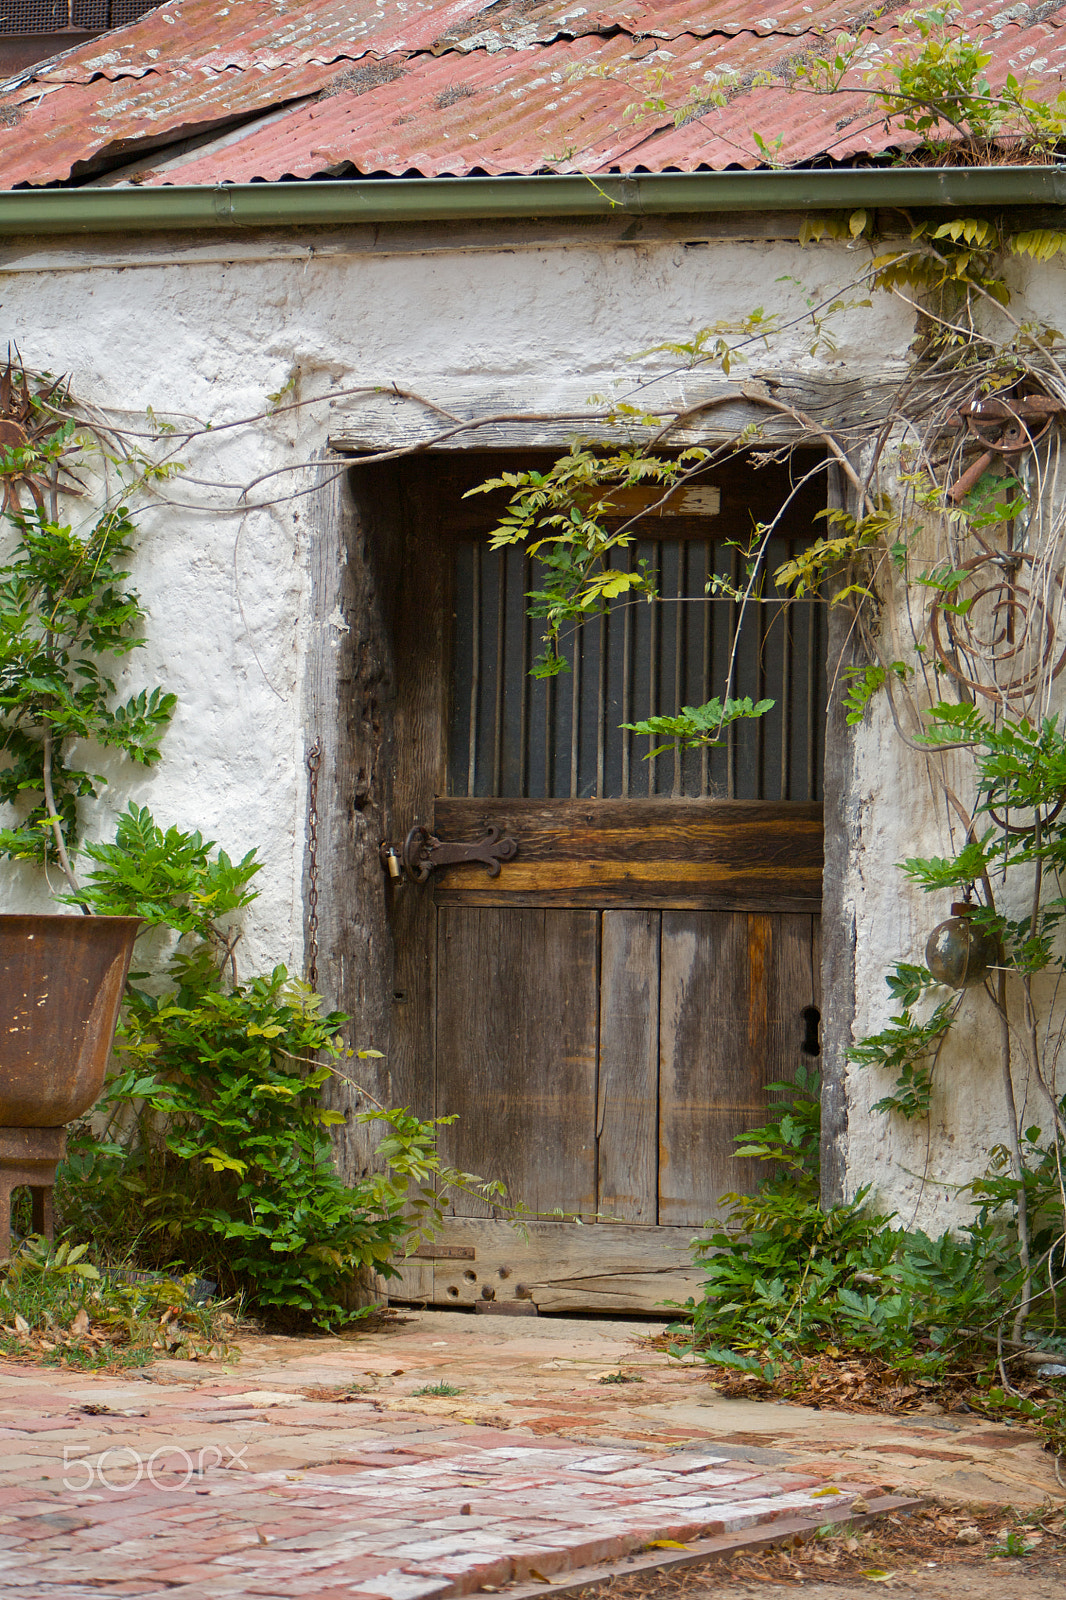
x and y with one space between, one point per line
185 35
202 37
842 126
274 37
453 86
517 24
491 114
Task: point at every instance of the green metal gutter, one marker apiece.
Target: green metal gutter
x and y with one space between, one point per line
273 205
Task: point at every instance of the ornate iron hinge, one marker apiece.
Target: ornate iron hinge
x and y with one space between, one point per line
422 853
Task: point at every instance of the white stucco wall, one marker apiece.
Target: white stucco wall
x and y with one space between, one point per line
903 799
227 589
915 1167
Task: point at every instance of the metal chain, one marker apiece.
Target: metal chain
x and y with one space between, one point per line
314 756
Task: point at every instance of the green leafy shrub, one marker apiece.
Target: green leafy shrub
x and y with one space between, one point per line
214 1153
223 1158
786 1278
217 1157
167 878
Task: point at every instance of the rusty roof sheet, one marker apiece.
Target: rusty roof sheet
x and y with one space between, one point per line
517 24
800 126
185 35
490 113
205 37
454 86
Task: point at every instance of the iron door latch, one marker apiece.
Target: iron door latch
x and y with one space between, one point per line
422 853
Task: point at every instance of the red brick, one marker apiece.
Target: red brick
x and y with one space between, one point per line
588 1552
466 1574
181 1572
546 1560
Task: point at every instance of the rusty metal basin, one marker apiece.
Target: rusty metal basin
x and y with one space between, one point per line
61 983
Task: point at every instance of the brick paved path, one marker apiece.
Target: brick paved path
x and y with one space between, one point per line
145 1489
344 1466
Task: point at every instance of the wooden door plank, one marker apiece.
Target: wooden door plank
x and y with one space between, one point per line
581 830
733 987
627 1093
629 883
517 1022
791 986
703 1058
733 990
792 980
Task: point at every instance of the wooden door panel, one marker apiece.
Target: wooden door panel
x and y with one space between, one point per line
733 987
517 1014
627 1115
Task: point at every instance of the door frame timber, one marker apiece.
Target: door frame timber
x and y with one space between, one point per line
375 717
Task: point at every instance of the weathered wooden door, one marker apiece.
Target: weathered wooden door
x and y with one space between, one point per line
609 1008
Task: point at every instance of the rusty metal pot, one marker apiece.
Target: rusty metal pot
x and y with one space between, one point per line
61 983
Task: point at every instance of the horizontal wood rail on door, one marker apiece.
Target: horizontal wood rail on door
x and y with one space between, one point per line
710 854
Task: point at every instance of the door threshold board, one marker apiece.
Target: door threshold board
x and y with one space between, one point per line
553 1266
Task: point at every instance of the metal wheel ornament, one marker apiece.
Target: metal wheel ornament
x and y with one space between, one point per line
1004 644
1009 427
1003 426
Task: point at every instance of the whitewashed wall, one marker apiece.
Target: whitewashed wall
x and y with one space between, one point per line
177 329
917 1169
